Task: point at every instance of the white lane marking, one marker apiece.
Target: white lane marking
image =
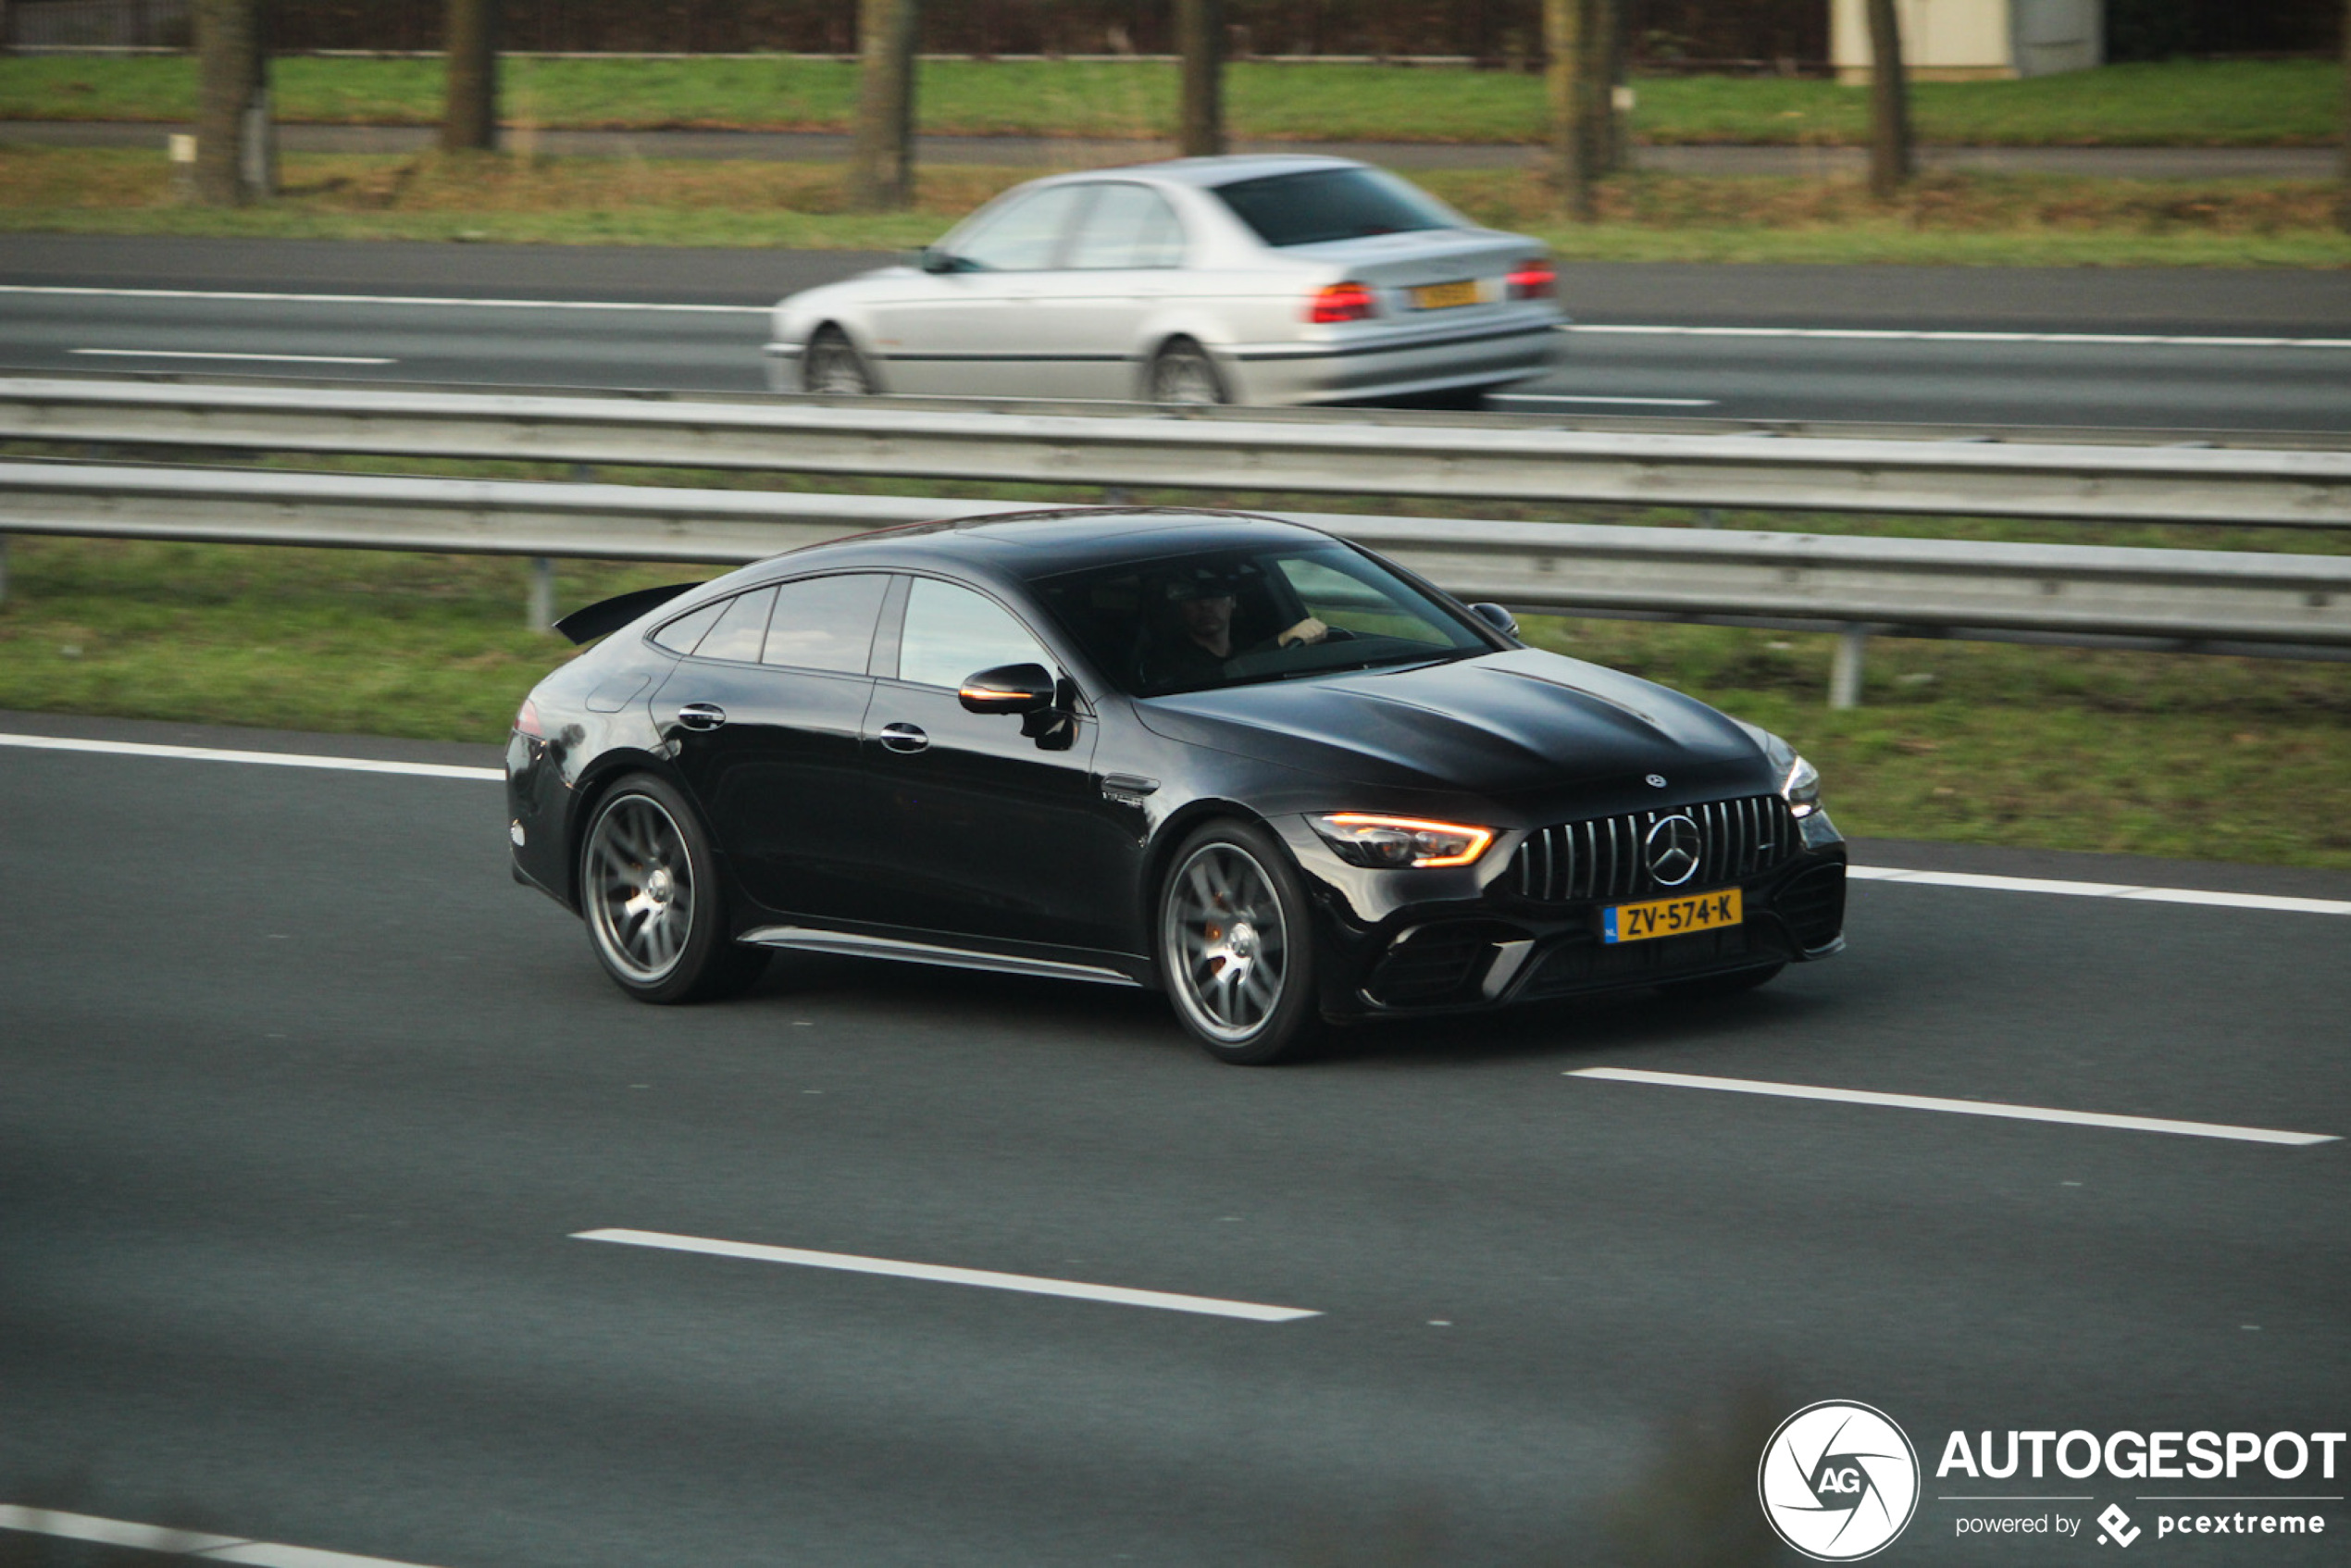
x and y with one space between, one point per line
265 759
2272 902
199 353
2277 901
1118 1294
1914 335
90 292
1956 1107
185 1543
1567 397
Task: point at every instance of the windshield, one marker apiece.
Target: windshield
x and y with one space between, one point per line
1230 617
1321 205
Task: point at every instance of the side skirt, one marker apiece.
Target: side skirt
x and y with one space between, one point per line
807 939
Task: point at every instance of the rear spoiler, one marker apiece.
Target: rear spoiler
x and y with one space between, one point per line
611 615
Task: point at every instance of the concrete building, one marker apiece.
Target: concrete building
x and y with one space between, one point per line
1974 40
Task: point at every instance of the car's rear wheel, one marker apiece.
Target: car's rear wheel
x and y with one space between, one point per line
833 367
656 900
1709 985
1182 373
1235 946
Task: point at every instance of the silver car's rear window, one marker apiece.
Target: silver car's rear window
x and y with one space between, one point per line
1322 204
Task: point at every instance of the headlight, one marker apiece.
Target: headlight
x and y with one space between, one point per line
1800 781
1364 840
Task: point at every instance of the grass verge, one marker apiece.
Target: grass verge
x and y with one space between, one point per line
2169 754
1991 219
2176 102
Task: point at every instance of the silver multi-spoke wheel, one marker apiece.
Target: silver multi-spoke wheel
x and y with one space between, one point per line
1184 374
640 888
832 367
1227 942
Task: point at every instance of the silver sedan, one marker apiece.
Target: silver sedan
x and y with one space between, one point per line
1236 279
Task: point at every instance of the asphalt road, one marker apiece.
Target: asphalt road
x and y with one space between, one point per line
303 1100
161 308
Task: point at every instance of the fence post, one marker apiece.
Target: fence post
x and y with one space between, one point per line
4 568
540 613
1845 674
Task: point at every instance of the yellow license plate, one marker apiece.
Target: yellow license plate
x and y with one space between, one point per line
1444 296
1671 917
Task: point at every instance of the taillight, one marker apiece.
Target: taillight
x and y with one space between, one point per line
1533 281
526 721
1341 301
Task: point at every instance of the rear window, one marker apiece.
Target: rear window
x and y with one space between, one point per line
1322 204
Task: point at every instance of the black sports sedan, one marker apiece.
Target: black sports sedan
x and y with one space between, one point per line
1226 757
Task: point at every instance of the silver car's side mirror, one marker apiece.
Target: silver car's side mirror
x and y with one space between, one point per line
1501 620
932 259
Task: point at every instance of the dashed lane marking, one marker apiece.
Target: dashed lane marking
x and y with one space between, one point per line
937 1274
193 1545
1954 1107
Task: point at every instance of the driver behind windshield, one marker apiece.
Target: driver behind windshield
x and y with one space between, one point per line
1192 637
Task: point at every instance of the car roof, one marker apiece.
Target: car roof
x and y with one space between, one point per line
1031 544
1210 172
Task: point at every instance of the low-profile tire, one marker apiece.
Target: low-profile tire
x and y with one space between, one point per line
1706 986
655 898
1182 374
1237 947
831 367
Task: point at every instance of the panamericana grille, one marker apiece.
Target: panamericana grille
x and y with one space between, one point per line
1603 858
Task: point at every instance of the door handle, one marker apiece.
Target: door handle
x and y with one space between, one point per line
701 715
904 738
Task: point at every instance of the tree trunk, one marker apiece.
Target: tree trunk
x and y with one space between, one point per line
1889 103
1568 82
1604 60
470 119
1200 38
236 148
2344 211
881 172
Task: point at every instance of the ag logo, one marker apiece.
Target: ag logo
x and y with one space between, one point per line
1838 1481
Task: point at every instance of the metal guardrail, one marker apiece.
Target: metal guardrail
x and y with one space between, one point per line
1515 461
2237 600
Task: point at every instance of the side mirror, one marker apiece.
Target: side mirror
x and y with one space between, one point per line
1501 620
1008 688
932 259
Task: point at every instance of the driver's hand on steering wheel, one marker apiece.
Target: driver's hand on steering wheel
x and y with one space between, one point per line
1308 630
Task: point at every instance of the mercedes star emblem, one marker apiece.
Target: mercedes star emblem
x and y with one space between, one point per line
1656 781
1673 844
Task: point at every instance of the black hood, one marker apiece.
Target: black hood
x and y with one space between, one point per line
1498 725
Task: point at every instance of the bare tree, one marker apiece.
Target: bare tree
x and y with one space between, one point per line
881 170
470 119
1604 59
2344 211
236 142
1199 39
1567 32
1889 103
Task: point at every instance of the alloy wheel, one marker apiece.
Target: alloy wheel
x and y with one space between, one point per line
640 888
1229 942
833 369
1186 376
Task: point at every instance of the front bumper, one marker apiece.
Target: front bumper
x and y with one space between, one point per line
1498 949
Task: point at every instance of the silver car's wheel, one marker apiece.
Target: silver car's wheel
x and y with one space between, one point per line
1235 946
832 367
1182 373
640 888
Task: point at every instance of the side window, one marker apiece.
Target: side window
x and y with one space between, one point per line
1129 226
680 635
1023 235
740 629
952 632
826 622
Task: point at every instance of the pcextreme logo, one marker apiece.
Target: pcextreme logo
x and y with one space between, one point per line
1838 1481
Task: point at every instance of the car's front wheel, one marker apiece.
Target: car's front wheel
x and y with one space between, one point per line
656 899
1182 373
832 366
1235 947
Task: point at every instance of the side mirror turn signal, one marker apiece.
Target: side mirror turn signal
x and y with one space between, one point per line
1008 688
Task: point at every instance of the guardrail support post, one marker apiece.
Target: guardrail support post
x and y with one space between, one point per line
1845 674
4 568
540 613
